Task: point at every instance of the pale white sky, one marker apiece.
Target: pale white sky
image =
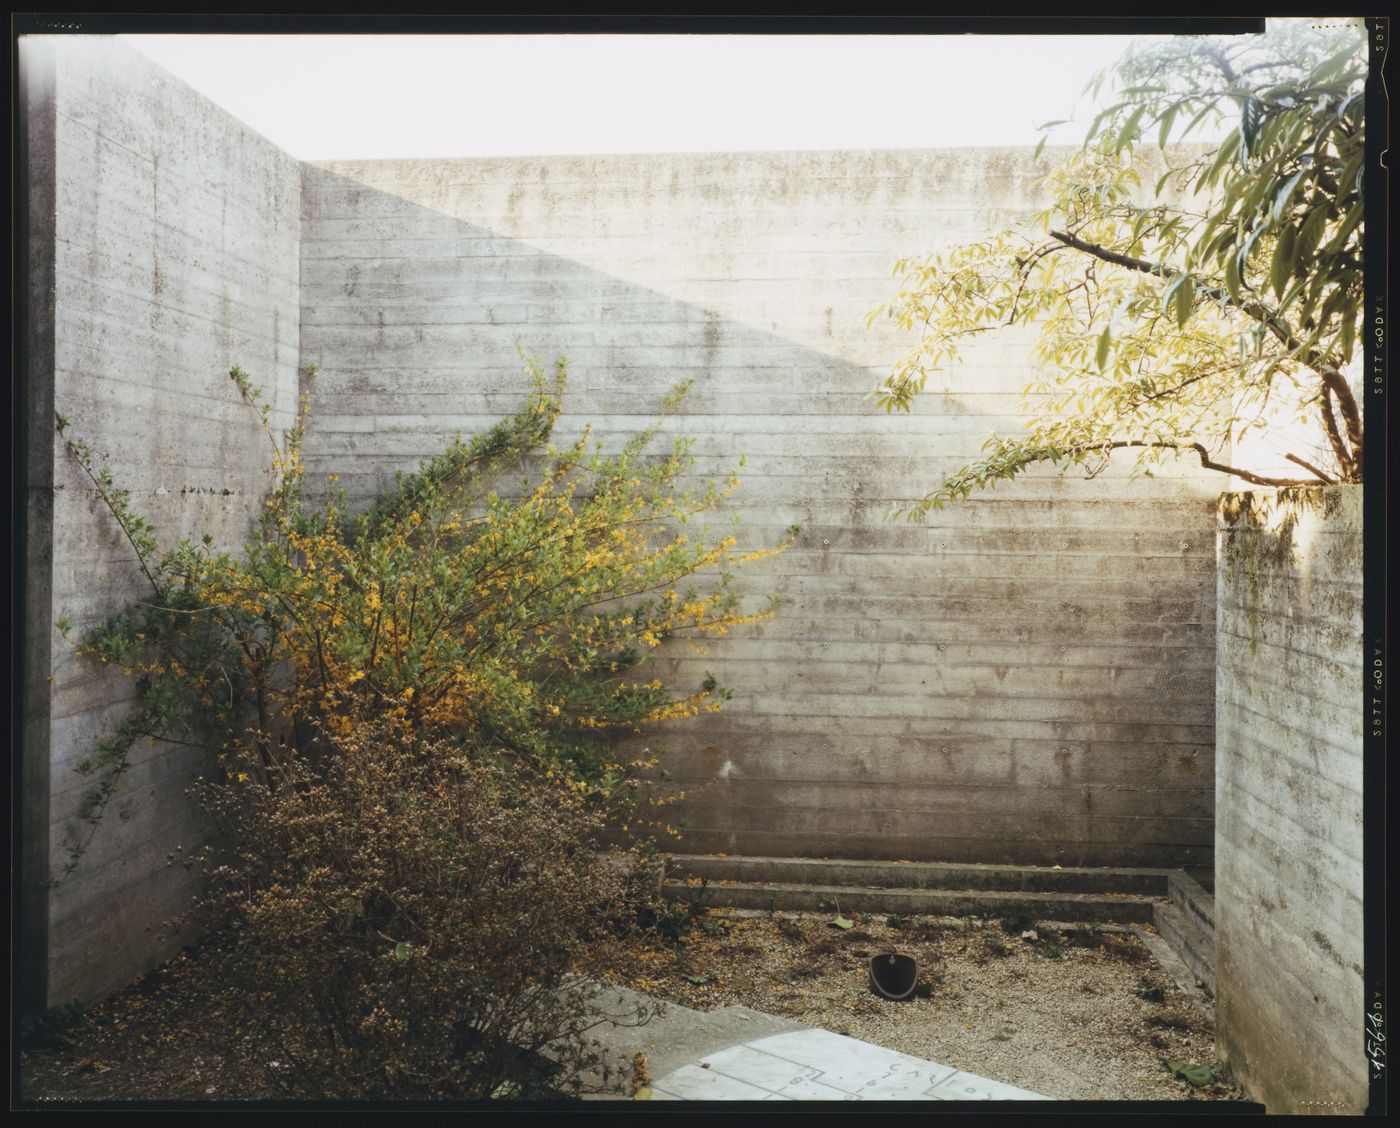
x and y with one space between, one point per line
368 97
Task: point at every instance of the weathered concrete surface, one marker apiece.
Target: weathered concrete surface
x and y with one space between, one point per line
739 1054
173 238
1288 896
1027 678
817 1065
35 199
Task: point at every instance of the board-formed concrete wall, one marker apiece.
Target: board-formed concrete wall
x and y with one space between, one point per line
1288 895
1027 677
164 242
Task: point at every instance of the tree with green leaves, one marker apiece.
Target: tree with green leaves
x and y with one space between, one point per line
1174 319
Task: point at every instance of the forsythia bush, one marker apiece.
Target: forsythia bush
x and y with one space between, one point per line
412 713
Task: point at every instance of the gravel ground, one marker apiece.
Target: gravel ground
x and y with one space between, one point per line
1081 1014
1076 1014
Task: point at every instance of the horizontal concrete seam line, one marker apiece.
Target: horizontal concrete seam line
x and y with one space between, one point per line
202 319
1317 718
1337 789
1081 827
175 235
1274 983
1320 628
719 885
1327 858
1262 652
989 868
841 705
1334 858
931 659
1301 615
836 613
1264 871
221 409
149 772
1241 644
158 874
1265 1027
1230 739
1181 797
973 743
815 658
1107 757
1042 726
92 867
908 781
944 683
104 137
768 811
145 296
1289 698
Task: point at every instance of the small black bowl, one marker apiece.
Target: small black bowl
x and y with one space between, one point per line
894 975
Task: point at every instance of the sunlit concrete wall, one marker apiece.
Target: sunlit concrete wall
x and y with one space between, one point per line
1288 897
163 248
1025 677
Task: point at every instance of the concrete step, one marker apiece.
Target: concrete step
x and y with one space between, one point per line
919 875
1188 939
1204 876
1188 895
1122 908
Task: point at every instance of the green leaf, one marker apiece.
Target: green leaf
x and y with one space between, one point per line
1101 353
1232 277
1197 1075
1336 65
642 1094
1348 338
1170 292
1227 149
1339 240
1310 234
1251 115
1129 132
402 949
1285 255
698 980
1185 301
843 922
1167 119
1285 194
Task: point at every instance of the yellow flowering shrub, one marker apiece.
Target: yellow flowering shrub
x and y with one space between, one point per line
514 623
410 714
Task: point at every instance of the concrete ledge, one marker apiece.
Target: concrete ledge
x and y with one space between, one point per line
921 875
1124 908
1192 944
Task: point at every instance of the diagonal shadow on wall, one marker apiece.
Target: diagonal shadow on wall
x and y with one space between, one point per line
1026 679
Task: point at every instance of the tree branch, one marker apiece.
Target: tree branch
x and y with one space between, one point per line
1334 436
1334 383
1259 312
1348 449
1206 460
1309 466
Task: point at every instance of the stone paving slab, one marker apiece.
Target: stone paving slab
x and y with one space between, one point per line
813 1064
